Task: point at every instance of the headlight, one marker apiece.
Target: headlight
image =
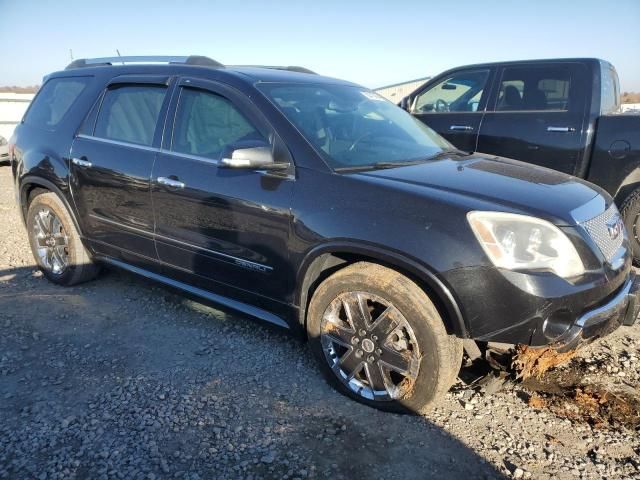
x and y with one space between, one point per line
3 141
520 242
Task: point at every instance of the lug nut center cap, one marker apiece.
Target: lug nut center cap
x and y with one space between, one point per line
367 345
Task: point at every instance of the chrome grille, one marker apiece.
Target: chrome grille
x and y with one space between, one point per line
598 229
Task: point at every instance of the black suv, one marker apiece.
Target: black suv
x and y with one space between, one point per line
315 204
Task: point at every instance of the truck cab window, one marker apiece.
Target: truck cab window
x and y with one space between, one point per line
460 92
534 88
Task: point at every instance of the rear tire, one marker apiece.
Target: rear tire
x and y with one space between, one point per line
630 212
380 340
55 242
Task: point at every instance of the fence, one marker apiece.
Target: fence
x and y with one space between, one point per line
12 108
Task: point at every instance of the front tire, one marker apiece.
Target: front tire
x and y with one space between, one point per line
380 340
55 242
630 212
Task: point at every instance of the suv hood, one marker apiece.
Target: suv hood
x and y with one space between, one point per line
514 185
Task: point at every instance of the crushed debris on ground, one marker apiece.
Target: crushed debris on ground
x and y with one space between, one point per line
534 362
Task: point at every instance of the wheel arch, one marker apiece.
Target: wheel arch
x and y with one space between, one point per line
328 258
30 183
627 189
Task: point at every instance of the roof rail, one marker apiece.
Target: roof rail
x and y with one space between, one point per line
186 60
291 68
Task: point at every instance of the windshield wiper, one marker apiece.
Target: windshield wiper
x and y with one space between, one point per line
448 153
383 165
378 166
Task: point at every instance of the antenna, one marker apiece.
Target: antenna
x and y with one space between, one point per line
71 54
118 52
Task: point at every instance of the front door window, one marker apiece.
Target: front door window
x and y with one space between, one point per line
460 92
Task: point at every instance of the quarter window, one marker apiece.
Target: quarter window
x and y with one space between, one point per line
610 96
460 92
206 123
130 113
534 89
54 100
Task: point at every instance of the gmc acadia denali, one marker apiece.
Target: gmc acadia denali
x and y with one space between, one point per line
315 204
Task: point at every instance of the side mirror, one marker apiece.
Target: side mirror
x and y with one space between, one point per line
404 103
253 158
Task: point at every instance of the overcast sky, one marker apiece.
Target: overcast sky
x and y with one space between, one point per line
373 43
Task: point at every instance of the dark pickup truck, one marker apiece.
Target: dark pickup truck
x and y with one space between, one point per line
562 114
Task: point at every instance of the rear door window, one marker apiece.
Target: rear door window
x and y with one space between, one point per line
54 100
129 113
533 88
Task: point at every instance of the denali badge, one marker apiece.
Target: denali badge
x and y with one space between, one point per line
614 227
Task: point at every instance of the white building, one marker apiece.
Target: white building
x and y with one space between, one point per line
398 91
631 107
12 108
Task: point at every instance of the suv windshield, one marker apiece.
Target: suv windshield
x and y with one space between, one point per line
354 127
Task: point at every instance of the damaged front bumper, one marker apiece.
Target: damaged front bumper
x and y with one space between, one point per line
622 309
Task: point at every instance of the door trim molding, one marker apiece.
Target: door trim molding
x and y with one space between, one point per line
238 261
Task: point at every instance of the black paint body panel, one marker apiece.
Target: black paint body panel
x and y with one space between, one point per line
602 148
254 236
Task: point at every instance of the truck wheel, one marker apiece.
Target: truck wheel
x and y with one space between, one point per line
380 340
630 212
55 242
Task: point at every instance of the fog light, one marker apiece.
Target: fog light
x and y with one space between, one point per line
556 324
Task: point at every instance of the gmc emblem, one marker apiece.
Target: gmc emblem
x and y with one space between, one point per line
615 227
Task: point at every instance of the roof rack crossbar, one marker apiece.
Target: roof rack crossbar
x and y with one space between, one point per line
187 60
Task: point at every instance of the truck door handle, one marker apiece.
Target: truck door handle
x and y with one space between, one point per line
170 182
81 163
561 129
465 128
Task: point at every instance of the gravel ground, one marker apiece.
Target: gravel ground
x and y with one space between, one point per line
120 378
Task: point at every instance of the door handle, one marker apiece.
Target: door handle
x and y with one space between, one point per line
561 129
81 163
170 182
465 128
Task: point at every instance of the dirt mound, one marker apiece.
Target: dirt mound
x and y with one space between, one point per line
569 394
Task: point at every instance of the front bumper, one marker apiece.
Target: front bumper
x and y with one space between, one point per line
622 309
541 309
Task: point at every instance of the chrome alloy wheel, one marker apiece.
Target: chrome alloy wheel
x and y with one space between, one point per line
370 346
51 241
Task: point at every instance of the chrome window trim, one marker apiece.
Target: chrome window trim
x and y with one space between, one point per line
148 149
189 156
217 163
119 143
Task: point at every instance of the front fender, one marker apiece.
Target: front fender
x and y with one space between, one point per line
314 261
